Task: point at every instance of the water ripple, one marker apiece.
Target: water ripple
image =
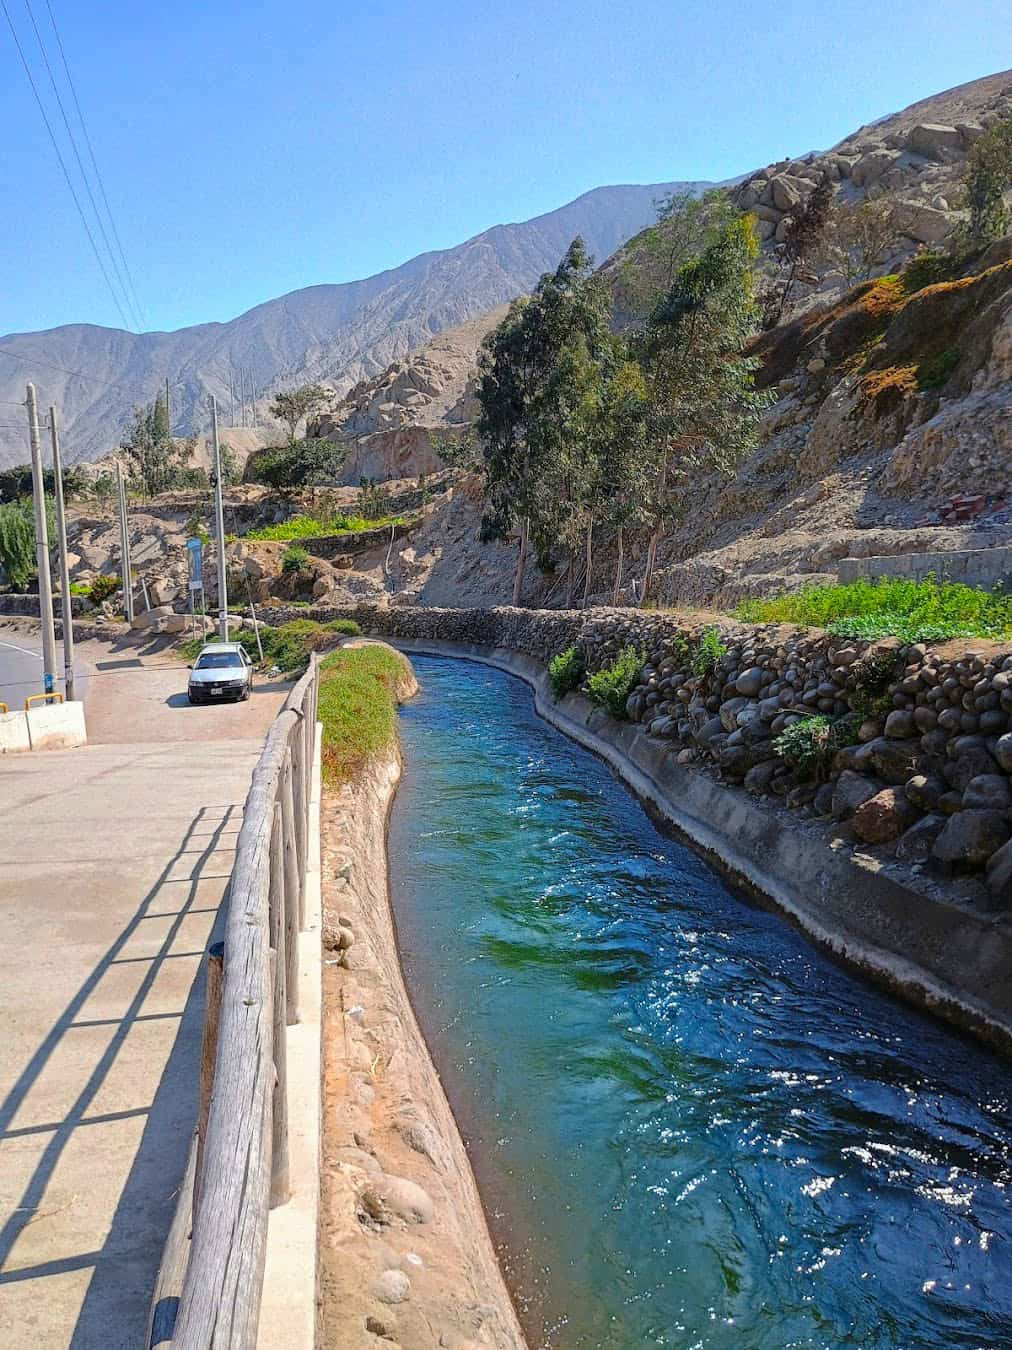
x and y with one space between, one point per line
689 1128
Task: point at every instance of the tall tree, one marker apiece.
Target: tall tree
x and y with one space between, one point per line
987 176
155 461
537 389
686 224
291 406
704 406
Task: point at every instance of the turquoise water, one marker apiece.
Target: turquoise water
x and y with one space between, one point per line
689 1128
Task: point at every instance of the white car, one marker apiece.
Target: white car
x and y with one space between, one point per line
222 671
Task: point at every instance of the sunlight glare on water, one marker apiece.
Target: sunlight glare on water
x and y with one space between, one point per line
688 1126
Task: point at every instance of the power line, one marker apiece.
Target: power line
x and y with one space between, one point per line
80 163
80 374
94 162
62 162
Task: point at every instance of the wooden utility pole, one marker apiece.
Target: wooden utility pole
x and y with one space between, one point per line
242 395
124 547
231 395
42 546
66 599
219 525
253 399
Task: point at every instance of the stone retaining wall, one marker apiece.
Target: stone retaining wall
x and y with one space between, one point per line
28 605
912 753
990 568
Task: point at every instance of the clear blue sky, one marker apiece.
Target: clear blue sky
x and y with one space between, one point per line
250 149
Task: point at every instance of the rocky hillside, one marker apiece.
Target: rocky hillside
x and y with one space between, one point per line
389 422
335 333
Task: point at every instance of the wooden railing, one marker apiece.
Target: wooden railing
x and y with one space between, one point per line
211 1277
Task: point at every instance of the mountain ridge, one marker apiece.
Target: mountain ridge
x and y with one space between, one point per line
338 332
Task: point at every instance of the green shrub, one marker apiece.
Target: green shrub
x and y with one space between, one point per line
294 559
611 687
566 670
346 626
810 745
914 611
708 653
934 372
928 268
304 463
103 586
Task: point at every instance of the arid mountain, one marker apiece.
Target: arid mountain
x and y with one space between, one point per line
337 333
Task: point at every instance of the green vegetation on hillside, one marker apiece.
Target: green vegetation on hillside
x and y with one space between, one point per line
17 539
357 707
611 686
915 611
288 646
305 463
313 527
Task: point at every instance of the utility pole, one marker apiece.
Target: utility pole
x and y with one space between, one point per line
253 398
219 525
231 395
66 599
242 392
124 547
42 546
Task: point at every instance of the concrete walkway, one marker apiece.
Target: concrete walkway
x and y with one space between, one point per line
113 863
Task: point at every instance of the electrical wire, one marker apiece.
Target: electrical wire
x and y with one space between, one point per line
135 321
62 162
98 173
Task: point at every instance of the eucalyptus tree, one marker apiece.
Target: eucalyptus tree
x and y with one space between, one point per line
704 407
538 393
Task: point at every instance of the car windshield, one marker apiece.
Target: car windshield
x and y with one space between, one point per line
217 661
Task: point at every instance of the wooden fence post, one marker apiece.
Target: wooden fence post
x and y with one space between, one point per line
298 774
280 1187
292 888
208 1052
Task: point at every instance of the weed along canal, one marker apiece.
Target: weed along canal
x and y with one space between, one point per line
689 1128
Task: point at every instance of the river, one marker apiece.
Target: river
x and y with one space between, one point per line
689 1127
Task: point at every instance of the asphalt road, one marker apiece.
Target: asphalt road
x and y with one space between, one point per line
21 670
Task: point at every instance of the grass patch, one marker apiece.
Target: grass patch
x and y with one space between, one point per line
313 527
914 611
288 646
358 708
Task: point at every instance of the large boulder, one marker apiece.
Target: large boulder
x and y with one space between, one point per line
884 817
935 141
999 875
851 791
970 838
915 844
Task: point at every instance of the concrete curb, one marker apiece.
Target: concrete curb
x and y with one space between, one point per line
288 1312
942 957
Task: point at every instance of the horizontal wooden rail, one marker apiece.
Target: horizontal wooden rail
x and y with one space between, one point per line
239 1167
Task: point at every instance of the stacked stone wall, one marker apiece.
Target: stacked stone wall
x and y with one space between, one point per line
913 752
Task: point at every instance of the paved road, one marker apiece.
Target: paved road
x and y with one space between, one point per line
114 861
21 669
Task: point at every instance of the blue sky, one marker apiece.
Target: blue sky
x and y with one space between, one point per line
250 149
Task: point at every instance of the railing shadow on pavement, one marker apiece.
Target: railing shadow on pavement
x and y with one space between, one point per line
114 1309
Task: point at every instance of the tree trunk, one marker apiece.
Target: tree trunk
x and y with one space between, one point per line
590 563
518 580
648 575
570 579
617 589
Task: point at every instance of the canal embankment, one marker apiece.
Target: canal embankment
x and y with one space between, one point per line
405 1253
